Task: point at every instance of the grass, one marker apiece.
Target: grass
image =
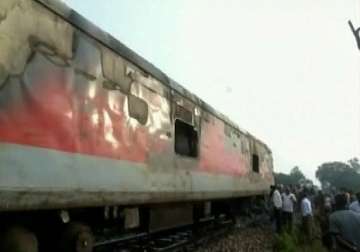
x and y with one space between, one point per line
296 242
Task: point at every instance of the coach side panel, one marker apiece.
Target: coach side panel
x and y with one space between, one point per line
74 115
227 158
81 126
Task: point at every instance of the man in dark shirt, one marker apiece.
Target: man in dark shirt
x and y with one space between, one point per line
345 226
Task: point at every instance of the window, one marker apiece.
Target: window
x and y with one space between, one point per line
138 109
255 163
186 139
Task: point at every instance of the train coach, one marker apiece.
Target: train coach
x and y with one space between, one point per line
93 137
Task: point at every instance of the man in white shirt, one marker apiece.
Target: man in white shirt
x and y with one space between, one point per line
327 203
289 200
355 206
277 205
306 212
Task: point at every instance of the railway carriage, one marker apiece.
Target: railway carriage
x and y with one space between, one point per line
90 132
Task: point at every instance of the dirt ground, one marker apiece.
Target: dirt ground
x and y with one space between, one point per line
245 240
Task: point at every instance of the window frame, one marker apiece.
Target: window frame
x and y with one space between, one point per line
255 163
194 153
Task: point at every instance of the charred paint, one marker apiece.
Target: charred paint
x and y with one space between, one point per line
52 105
77 100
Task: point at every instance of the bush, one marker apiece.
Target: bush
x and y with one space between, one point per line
295 242
285 242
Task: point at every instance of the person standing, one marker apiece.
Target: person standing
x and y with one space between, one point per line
277 206
327 204
344 226
355 206
348 199
307 215
289 200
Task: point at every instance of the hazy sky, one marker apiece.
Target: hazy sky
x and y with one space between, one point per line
287 71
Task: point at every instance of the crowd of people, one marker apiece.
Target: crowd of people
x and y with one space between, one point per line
335 213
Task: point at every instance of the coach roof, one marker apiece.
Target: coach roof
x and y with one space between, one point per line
109 41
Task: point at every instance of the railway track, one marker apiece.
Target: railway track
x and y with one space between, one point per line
187 238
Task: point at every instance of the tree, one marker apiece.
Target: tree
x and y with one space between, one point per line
295 177
283 179
354 163
339 175
296 174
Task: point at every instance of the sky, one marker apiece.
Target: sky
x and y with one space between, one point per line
287 71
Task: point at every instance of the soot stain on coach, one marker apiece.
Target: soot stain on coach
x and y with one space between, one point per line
86 122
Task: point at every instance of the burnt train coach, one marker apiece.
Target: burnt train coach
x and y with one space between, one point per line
92 133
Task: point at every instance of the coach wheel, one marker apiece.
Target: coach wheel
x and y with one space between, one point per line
77 238
18 239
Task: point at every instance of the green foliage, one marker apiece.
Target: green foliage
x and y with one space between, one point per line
297 174
282 178
340 175
354 163
295 242
285 242
295 177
